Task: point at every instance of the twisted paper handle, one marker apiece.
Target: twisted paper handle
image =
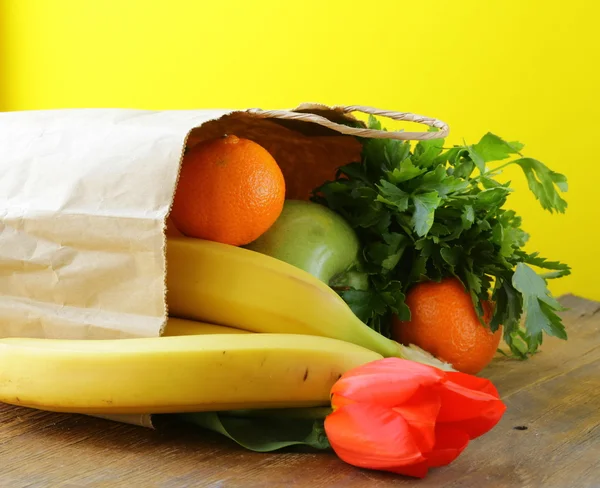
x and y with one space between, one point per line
378 134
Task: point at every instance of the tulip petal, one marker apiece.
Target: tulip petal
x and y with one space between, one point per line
449 443
339 401
386 382
418 470
372 436
473 382
470 403
420 412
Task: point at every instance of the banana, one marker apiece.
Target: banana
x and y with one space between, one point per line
174 374
180 327
238 287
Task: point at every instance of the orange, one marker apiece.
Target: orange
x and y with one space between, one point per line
230 190
444 322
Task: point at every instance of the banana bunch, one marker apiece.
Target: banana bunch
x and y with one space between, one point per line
236 287
245 331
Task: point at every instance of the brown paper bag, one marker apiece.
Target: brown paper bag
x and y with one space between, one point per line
85 195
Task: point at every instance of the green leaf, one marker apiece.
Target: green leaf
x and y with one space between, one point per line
406 171
521 344
431 179
507 238
263 434
354 170
424 246
365 193
467 217
509 306
473 282
483 225
425 205
477 159
490 183
388 253
439 229
392 195
494 197
396 245
464 169
393 296
560 269
396 152
418 269
544 183
373 305
539 304
374 123
439 180
383 224
364 303
427 151
451 185
451 255
517 146
451 156
494 148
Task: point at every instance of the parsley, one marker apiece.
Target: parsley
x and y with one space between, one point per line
428 212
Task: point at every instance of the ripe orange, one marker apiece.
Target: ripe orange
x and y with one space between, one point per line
444 322
230 190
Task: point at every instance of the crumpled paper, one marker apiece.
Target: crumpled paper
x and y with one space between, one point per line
84 199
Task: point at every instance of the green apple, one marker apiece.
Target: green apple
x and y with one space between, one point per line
316 239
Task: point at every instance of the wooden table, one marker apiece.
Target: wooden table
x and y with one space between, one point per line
549 437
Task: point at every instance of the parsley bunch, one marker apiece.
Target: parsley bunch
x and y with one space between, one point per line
432 212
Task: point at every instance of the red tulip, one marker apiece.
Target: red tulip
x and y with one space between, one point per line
406 417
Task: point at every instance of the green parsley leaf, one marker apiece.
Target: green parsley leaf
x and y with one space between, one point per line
494 197
392 195
477 159
542 182
539 305
494 148
355 171
406 171
559 269
451 255
427 151
509 305
364 303
387 254
425 205
464 168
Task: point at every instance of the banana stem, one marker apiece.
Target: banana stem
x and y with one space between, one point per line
379 343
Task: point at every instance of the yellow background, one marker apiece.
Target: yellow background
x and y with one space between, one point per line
524 69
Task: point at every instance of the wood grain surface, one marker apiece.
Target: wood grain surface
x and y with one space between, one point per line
549 437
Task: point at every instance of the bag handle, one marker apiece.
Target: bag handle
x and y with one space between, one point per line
377 134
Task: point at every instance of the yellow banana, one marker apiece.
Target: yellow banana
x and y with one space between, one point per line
237 287
174 374
180 327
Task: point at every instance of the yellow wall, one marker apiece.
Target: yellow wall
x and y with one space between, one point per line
524 69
